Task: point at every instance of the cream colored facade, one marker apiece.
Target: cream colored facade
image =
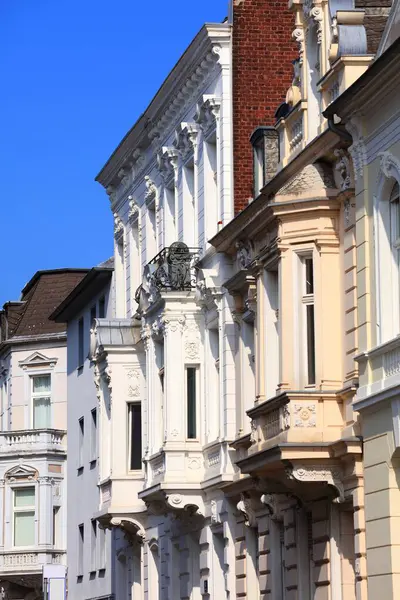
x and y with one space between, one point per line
370 111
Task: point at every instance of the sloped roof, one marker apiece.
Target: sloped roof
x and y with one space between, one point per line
40 296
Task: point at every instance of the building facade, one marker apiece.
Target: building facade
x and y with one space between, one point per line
300 479
369 111
33 449
92 549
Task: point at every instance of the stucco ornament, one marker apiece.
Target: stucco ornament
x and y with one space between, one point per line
244 253
277 504
285 416
150 194
167 160
118 226
133 209
207 113
293 95
192 349
390 165
248 506
186 139
133 376
305 415
330 474
343 170
312 177
298 36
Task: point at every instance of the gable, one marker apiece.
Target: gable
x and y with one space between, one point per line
37 359
21 472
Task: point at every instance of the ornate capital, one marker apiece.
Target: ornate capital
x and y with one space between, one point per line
186 139
207 113
167 160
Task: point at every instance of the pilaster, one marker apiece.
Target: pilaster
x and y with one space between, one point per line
45 511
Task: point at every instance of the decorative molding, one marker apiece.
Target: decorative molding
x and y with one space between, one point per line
37 360
133 376
278 503
168 160
21 472
389 165
192 505
186 136
248 505
317 14
118 227
357 150
150 195
304 415
244 253
207 114
343 170
133 214
132 528
313 176
298 36
330 474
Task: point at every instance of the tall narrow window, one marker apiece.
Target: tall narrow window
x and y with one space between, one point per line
41 401
24 517
102 307
102 548
93 435
81 440
56 527
80 342
191 402
81 542
93 546
135 436
309 320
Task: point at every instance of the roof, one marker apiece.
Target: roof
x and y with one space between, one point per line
94 281
40 296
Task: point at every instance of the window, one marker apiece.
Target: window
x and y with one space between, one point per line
93 546
41 401
308 318
81 542
135 436
24 516
81 440
92 315
56 527
395 222
191 402
102 548
80 342
102 307
93 435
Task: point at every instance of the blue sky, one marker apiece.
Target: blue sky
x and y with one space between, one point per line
76 74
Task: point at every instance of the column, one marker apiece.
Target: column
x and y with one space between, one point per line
2 512
45 510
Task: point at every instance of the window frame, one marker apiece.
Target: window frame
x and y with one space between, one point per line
34 395
129 406
305 298
196 437
26 509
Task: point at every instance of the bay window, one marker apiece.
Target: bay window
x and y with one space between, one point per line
24 516
41 401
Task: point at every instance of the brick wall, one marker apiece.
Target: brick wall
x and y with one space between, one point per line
263 50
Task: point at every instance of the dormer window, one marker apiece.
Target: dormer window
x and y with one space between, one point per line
265 156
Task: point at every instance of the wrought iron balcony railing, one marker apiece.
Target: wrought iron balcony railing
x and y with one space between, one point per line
174 269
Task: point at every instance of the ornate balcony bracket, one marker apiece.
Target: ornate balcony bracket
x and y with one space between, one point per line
133 530
249 505
278 503
330 474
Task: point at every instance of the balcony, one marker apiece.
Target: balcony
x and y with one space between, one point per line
291 130
172 269
379 370
33 441
17 561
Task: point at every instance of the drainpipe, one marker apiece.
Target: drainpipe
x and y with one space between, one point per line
339 130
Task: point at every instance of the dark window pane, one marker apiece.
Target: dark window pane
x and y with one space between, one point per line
135 426
102 308
310 344
309 276
191 402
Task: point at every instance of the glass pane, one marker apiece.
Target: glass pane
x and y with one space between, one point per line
24 497
191 402
41 413
24 529
310 344
309 276
135 415
41 383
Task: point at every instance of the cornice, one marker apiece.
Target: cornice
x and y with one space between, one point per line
182 85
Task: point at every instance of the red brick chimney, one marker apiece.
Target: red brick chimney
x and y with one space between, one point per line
262 53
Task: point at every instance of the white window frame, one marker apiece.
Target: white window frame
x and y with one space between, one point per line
303 299
387 275
34 395
198 397
14 489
